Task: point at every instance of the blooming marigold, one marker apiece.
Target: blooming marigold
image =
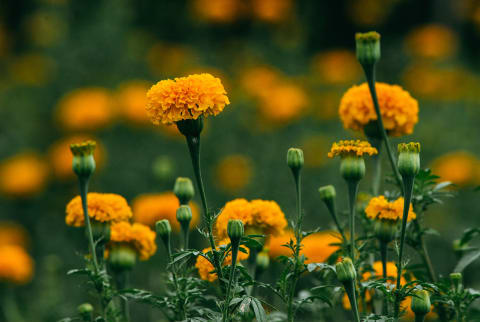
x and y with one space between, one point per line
351 148
12 234
186 98
139 236
16 266
23 175
205 268
380 208
274 244
432 42
102 207
318 247
399 110
459 167
234 172
150 208
337 66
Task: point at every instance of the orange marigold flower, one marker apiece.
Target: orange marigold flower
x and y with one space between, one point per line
459 167
318 247
186 98
220 11
338 66
432 41
351 148
102 207
131 99
399 110
86 109
139 236
13 234
380 208
205 268
150 208
283 102
16 266
234 172
23 175
272 10
275 247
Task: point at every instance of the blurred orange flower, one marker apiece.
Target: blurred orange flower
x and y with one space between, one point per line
234 172
132 100
284 102
380 208
218 11
272 10
16 266
459 167
46 28
432 42
317 248
32 69
12 234
166 60
337 66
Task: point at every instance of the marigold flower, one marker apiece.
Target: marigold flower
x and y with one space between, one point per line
346 148
150 208
432 42
257 215
132 100
102 207
219 11
13 234
23 175
459 167
16 266
399 110
139 236
186 98
86 109
272 10
380 208
317 248
205 268
283 102
274 244
234 172
336 66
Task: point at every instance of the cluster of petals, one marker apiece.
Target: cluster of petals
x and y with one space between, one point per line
382 209
138 236
345 148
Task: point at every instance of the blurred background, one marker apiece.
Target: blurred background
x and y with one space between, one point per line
80 69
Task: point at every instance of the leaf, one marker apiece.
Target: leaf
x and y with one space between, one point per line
80 271
320 266
258 309
466 260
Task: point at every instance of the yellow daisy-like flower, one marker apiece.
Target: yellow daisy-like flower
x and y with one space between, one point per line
186 98
345 148
205 268
259 216
13 234
16 266
150 208
380 208
139 236
102 207
399 110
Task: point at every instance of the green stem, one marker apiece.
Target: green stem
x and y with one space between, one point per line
181 309
226 314
350 290
419 317
83 194
377 174
370 76
352 197
333 212
383 255
185 233
10 308
121 279
424 252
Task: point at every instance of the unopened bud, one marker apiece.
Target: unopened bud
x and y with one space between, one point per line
409 159
263 261
345 270
420 303
85 311
164 230
352 168
184 216
385 230
122 257
368 47
235 231
184 190
327 193
456 279
83 163
295 159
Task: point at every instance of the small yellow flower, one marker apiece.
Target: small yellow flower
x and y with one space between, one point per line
139 236
432 42
23 175
16 266
150 208
131 99
234 172
102 207
399 110
205 268
459 167
13 234
186 98
351 148
380 208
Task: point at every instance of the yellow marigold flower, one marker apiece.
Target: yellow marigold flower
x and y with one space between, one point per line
336 66
61 157
13 234
219 11
139 236
150 208
86 109
102 207
283 102
380 208
131 99
459 167
186 98
351 148
399 110
234 172
258 215
431 41
205 268
32 69
23 175
318 247
16 266
272 10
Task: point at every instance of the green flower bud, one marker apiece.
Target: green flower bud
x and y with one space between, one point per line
327 193
100 231
368 47
409 159
263 261
164 230
191 127
83 163
122 257
345 270
295 159
456 279
183 189
352 168
85 311
184 215
235 231
420 303
385 230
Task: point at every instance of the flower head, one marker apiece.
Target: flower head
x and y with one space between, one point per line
432 42
346 148
399 110
318 247
459 167
102 207
16 265
336 67
150 208
131 100
12 234
234 172
186 98
139 236
380 208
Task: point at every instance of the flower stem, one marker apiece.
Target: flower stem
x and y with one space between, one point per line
83 194
226 313
352 197
181 309
377 174
419 317
333 212
424 253
185 238
121 279
350 290
383 255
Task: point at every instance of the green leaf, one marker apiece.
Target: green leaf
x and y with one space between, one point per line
466 260
80 271
258 309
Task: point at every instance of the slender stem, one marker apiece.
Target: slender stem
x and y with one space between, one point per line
370 75
350 290
121 279
408 188
424 253
10 309
175 280
226 313
352 197
185 238
377 174
419 317
333 211
83 194
383 254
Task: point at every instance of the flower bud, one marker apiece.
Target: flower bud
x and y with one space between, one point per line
191 127
184 215
85 311
164 230
235 231
183 189
456 279
327 193
345 270
122 257
352 168
295 159
409 159
368 47
420 302
263 261
83 163
385 230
